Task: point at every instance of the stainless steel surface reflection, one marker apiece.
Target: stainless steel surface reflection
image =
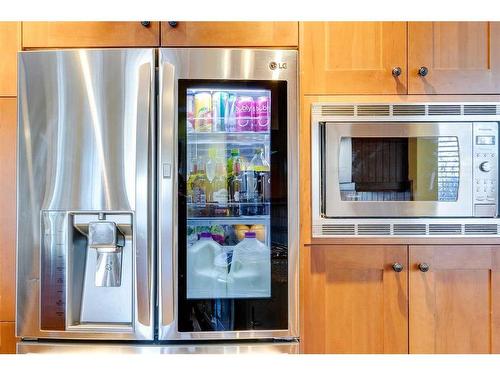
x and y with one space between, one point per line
85 143
214 348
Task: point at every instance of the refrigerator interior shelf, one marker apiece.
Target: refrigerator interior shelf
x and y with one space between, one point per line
228 137
212 220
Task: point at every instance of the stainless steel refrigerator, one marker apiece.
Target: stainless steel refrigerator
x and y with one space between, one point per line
157 200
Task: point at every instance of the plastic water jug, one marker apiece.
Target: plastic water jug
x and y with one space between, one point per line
206 269
250 272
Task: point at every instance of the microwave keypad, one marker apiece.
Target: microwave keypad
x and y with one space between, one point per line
485 168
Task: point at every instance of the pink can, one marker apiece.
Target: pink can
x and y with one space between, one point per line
262 114
245 113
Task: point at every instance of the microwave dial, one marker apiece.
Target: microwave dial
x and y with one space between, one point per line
485 166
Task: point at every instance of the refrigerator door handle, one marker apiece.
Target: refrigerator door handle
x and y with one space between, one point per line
167 199
144 206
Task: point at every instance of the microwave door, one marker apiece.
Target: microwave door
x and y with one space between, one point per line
397 170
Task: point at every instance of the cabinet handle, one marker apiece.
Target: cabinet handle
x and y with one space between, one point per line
396 72
172 23
397 267
422 72
145 23
424 267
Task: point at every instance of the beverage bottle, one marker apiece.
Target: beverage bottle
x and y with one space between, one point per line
206 269
220 193
193 172
235 154
261 193
250 272
210 165
234 188
201 191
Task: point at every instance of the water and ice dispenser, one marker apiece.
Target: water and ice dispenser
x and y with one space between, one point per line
87 271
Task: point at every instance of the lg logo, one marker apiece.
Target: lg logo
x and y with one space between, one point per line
273 65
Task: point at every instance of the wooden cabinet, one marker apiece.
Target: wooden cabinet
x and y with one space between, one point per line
7 338
10 43
352 57
90 34
230 34
352 301
461 57
455 305
7 207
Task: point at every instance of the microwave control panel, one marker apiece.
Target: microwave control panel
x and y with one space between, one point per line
485 164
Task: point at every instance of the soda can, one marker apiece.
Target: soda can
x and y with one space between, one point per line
190 113
202 112
219 109
230 115
262 114
245 113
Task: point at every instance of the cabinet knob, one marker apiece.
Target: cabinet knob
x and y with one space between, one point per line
396 72
422 72
145 23
424 267
172 23
397 267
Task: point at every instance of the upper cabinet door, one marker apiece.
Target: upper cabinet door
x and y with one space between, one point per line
10 43
353 57
458 57
229 34
90 34
454 299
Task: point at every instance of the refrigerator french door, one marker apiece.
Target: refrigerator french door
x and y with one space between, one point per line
227 194
85 195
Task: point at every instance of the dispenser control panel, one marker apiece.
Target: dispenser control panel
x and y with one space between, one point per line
485 167
53 271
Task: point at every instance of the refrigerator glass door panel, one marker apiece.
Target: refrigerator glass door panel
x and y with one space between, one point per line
228 198
232 263
85 146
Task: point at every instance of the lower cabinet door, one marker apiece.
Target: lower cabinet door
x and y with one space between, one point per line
353 299
454 299
7 338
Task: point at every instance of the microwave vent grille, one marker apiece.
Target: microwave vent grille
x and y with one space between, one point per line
374 229
337 110
480 109
373 110
479 229
449 229
338 229
408 110
409 229
444 109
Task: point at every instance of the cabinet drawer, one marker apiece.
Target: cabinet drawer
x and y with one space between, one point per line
230 34
90 34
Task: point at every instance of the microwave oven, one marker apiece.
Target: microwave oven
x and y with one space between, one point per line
405 169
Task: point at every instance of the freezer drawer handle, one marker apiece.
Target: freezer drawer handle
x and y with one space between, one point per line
167 170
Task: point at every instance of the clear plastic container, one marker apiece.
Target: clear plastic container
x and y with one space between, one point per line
250 271
206 272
